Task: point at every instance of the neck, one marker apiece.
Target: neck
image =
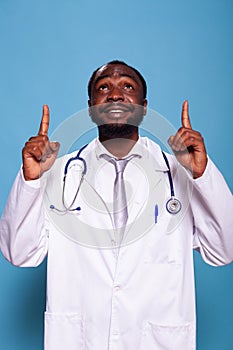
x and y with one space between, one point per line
119 146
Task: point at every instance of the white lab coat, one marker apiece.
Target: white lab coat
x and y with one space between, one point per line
140 297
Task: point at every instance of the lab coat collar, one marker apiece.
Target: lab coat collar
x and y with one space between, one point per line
143 148
137 150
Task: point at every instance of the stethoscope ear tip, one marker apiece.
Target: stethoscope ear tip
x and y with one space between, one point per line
63 211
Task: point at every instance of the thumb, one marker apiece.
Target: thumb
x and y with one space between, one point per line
55 146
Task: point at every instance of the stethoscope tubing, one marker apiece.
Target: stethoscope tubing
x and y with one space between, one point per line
173 205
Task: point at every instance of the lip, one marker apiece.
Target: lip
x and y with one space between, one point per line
116 108
117 113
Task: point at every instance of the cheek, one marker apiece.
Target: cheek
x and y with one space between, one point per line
97 99
134 96
137 99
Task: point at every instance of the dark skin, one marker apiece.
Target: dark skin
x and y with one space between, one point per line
116 95
39 153
119 89
188 145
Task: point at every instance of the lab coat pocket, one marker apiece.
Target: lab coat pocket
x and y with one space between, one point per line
63 331
159 337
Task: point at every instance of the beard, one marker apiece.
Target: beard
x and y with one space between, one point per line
116 130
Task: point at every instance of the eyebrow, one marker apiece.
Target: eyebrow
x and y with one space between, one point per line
121 75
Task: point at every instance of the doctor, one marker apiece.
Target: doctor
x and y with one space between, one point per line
139 295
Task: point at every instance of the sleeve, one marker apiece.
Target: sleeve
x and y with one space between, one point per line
212 207
23 226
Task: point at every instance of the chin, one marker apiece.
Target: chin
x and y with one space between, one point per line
117 130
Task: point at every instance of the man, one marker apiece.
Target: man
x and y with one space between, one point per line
120 285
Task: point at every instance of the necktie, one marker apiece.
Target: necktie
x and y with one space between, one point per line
120 211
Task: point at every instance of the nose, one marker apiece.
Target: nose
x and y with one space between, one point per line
115 95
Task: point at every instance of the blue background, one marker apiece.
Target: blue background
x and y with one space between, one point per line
48 51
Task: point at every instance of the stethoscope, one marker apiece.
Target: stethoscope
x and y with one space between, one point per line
84 170
173 205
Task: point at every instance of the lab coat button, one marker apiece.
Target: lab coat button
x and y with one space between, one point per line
117 288
115 332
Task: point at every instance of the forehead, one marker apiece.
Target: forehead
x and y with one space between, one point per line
116 71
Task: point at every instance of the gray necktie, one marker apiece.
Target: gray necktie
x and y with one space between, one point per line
120 211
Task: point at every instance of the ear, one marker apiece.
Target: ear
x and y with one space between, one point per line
144 107
89 107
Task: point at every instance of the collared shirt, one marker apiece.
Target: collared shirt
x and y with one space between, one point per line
105 176
138 175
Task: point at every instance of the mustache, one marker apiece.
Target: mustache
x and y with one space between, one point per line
125 107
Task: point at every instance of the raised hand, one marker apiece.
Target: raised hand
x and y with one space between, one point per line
188 145
39 153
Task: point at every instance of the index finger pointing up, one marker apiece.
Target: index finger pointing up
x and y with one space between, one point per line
185 115
44 125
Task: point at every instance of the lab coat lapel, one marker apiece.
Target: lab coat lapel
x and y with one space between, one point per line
92 197
147 196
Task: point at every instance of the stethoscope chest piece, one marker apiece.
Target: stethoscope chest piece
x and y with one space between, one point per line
173 205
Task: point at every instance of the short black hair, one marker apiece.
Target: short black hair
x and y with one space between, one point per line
124 64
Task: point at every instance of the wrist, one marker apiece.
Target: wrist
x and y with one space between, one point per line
200 171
